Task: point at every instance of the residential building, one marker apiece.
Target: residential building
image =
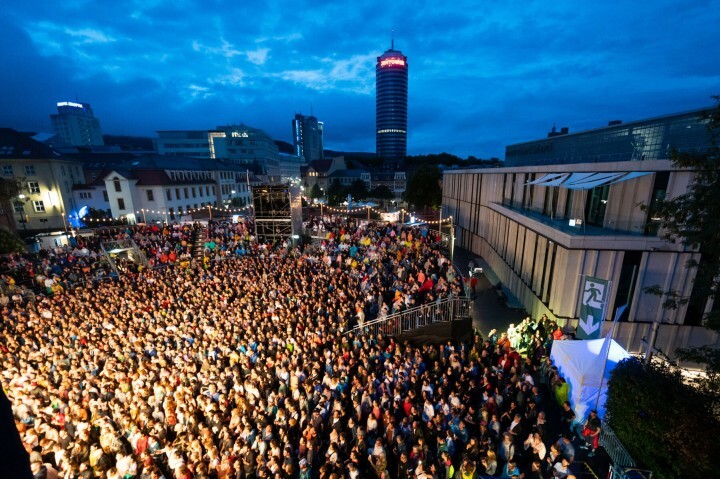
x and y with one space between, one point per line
76 125
46 180
308 137
318 172
162 188
542 228
391 85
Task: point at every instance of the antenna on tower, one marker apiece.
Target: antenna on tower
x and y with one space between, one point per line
392 39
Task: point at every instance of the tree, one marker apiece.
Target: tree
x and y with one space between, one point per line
336 193
10 188
381 192
358 190
10 242
423 188
315 191
691 218
665 423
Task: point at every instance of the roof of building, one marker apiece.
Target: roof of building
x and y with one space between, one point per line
17 145
321 166
347 174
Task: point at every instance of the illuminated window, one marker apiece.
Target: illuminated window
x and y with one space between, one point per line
33 187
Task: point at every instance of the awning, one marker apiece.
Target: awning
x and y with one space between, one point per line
585 181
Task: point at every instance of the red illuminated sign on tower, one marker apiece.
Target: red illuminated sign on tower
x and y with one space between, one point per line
388 62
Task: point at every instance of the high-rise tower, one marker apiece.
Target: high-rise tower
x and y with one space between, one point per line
308 137
391 85
76 125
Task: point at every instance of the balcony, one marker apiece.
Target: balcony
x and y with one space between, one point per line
634 235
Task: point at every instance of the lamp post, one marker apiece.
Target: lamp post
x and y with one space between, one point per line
23 219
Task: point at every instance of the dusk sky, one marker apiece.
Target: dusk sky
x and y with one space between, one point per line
482 73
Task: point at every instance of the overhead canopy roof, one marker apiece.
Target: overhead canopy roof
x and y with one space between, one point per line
585 181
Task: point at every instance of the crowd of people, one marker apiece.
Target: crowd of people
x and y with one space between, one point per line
251 367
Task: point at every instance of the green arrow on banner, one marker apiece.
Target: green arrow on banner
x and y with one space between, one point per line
592 307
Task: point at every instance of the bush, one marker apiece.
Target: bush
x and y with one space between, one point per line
668 426
10 242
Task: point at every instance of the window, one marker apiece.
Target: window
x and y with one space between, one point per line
185 190
19 207
8 170
118 186
85 195
105 196
121 204
62 170
193 192
33 187
177 193
29 169
39 206
150 195
168 194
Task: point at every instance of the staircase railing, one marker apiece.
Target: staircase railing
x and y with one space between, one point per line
444 310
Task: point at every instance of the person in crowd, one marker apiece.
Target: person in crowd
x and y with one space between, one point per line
245 360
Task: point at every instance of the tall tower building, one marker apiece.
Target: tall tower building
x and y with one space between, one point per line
308 137
391 85
76 125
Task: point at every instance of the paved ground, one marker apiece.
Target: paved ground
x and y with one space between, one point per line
488 311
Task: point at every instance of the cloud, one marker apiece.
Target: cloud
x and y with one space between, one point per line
482 75
258 56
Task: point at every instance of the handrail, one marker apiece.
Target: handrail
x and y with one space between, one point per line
443 310
619 456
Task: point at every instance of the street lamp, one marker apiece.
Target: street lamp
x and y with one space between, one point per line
22 197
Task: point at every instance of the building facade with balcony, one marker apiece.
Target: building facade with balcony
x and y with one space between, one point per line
541 229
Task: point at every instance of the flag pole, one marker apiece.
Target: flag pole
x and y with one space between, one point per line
608 338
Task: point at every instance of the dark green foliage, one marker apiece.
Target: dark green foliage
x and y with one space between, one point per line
382 192
315 191
336 193
692 218
10 242
424 188
9 189
358 190
667 425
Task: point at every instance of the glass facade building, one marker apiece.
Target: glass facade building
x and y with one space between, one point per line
650 139
391 81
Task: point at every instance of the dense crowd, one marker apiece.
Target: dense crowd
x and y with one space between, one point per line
250 367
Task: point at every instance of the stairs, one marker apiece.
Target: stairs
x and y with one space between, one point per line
200 236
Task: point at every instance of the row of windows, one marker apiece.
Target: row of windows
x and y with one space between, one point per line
8 170
38 207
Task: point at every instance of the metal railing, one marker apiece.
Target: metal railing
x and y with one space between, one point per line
622 462
444 310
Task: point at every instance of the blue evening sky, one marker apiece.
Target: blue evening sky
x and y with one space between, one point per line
482 73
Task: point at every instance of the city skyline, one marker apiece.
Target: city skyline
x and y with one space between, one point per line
484 76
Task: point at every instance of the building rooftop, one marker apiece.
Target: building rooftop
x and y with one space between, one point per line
17 145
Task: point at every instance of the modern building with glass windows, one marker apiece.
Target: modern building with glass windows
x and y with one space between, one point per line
540 227
391 83
650 139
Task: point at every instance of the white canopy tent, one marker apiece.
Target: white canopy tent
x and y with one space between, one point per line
582 363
